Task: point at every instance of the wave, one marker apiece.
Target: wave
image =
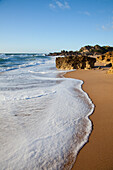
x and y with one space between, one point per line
46 118
10 62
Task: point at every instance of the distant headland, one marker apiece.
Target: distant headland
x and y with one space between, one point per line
86 50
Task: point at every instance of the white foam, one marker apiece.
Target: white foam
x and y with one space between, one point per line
43 120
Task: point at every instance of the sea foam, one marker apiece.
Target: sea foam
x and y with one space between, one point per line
43 118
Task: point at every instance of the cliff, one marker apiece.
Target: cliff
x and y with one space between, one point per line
75 62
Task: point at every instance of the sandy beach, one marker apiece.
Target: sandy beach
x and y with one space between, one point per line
97 154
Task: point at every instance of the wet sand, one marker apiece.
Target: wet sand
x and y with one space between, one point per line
97 154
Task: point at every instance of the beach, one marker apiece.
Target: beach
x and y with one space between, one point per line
98 152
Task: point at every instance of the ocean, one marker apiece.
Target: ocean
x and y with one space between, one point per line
43 116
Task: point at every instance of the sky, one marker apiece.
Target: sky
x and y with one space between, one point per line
54 25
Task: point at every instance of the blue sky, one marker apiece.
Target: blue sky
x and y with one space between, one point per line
54 25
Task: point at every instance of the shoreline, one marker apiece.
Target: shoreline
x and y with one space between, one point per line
97 152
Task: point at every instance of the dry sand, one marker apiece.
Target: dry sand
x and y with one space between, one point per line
97 154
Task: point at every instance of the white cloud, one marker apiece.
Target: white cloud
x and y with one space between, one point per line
103 27
107 28
64 5
67 5
87 13
52 6
84 13
59 4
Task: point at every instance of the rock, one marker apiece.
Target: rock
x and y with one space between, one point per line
110 71
86 50
106 58
75 62
93 50
64 53
109 65
99 68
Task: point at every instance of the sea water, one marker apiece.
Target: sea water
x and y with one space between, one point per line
43 116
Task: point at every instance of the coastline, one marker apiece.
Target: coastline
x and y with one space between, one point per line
97 153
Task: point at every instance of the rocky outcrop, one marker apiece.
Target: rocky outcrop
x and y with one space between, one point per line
110 71
64 53
86 50
106 58
95 50
75 62
81 60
